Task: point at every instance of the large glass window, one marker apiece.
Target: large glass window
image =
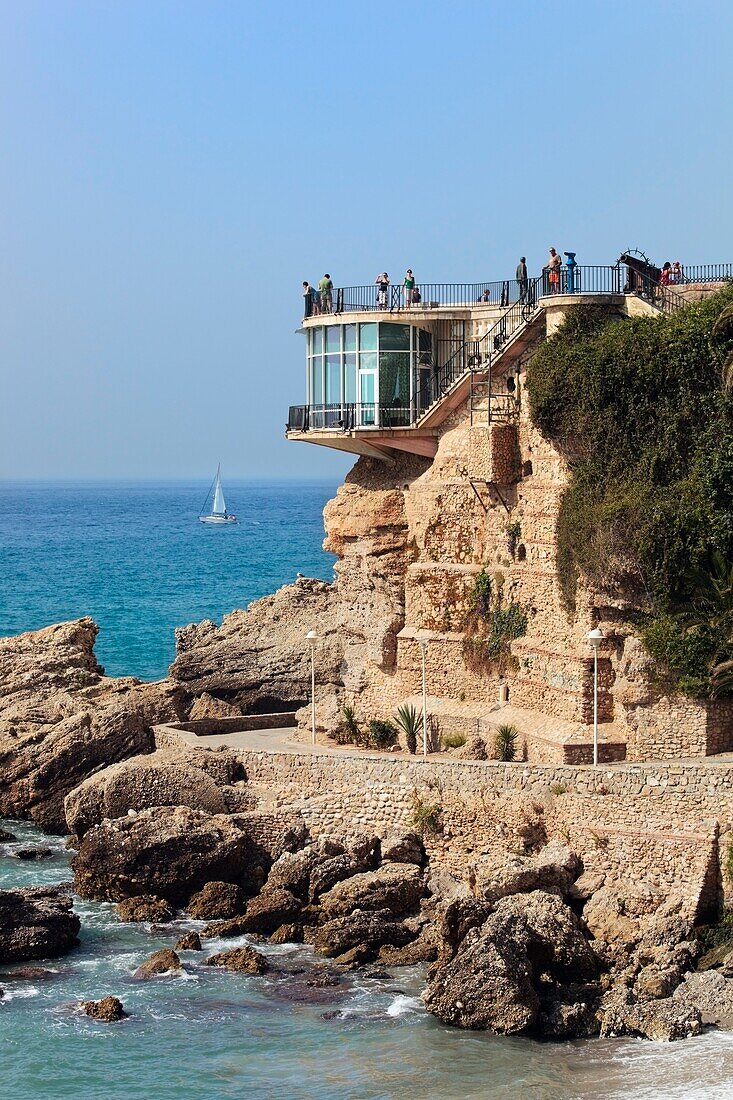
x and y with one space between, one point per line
378 365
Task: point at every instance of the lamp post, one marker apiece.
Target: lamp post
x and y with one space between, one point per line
595 637
423 642
311 637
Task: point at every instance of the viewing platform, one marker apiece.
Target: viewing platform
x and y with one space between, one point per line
384 370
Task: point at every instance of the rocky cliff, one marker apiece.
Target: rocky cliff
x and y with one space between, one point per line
62 719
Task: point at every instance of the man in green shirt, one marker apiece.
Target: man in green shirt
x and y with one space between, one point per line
325 286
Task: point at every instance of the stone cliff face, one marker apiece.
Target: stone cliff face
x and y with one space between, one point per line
61 718
411 537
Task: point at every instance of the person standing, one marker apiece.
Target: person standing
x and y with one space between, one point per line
325 288
522 278
554 263
382 282
308 294
409 286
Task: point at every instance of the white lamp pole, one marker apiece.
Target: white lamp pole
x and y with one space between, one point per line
595 637
311 637
423 649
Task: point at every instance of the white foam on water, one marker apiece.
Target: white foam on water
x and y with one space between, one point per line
402 1005
19 994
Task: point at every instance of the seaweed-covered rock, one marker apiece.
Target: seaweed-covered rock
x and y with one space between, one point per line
36 922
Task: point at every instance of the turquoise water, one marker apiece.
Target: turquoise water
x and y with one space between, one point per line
214 1035
137 560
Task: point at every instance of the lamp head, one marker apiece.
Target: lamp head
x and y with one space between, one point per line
595 637
311 636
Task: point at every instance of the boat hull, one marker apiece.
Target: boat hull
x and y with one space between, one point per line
217 519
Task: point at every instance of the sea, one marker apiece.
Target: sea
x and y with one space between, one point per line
136 559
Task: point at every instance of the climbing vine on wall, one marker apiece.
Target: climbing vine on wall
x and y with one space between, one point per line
641 411
493 623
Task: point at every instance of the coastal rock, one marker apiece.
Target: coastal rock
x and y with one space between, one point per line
403 848
498 973
217 901
365 932
244 959
711 993
569 1012
167 777
109 1009
164 961
362 856
169 851
144 907
36 923
191 941
270 835
287 933
421 950
61 719
6 836
396 888
257 657
208 706
31 854
292 871
553 869
271 909
663 1020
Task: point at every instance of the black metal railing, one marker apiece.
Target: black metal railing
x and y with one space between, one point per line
348 416
706 273
394 298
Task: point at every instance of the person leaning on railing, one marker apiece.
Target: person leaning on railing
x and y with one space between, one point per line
522 278
554 263
308 299
408 286
382 282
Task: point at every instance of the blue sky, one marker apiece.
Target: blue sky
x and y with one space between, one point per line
171 172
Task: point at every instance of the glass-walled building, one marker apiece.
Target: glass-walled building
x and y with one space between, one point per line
368 374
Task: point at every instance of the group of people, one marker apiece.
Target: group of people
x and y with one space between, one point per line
318 299
672 274
410 290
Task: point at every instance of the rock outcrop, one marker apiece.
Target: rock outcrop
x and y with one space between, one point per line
244 959
160 962
528 949
36 923
167 777
144 907
217 901
397 888
169 851
61 719
109 1009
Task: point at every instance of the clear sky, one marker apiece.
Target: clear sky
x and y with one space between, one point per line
171 171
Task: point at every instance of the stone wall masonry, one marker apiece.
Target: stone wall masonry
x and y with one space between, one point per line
655 824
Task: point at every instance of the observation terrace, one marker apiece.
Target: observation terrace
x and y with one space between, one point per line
382 372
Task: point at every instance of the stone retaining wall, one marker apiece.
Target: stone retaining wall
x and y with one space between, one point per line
663 825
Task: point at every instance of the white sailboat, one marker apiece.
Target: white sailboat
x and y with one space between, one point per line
218 512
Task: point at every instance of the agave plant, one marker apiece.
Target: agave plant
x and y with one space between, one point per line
506 742
408 720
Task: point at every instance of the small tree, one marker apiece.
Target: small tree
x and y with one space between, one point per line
506 742
408 720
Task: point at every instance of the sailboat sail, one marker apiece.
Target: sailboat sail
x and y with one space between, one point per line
219 506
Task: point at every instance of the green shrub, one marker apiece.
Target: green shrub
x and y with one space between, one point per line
506 742
479 598
492 625
640 411
409 720
348 732
453 740
382 735
426 816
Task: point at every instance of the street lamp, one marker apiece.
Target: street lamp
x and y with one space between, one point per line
595 637
423 643
311 637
